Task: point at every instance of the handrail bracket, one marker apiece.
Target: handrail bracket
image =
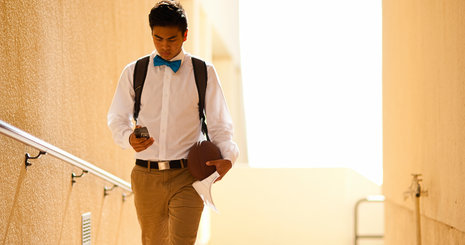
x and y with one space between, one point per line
125 196
26 160
73 175
106 190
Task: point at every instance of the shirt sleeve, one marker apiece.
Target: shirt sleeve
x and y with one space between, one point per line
219 121
120 114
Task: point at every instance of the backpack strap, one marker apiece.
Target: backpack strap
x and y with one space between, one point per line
201 77
140 72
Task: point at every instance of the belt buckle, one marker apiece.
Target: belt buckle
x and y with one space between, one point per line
163 165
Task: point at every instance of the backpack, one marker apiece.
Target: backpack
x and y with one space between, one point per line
200 74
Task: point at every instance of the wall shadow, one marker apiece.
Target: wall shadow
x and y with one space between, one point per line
70 191
22 176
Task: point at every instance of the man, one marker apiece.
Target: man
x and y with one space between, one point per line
168 207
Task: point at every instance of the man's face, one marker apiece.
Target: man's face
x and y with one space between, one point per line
168 40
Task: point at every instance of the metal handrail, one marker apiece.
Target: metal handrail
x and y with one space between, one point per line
370 199
41 145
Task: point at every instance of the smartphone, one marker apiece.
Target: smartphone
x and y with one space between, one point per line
141 133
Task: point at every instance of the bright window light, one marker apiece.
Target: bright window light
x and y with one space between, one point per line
312 83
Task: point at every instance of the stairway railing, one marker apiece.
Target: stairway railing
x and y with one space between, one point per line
46 148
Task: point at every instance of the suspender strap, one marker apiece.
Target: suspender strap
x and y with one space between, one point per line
201 77
140 72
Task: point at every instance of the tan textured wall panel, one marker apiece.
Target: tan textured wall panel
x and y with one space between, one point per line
60 62
424 113
402 231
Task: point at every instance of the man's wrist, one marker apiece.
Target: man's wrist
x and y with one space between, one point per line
127 134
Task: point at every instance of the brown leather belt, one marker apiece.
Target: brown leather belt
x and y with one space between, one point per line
162 165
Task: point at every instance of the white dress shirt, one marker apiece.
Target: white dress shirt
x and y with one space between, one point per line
169 110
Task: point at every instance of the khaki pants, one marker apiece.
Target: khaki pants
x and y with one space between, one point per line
168 207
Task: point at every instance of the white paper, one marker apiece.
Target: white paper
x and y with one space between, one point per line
204 188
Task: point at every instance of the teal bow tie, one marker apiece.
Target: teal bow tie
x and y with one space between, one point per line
174 65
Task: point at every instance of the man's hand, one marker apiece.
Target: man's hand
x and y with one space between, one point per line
222 167
140 144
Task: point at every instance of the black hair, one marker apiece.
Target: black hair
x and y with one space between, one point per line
168 13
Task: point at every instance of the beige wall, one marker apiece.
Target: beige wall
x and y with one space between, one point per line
224 16
279 206
424 114
60 61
